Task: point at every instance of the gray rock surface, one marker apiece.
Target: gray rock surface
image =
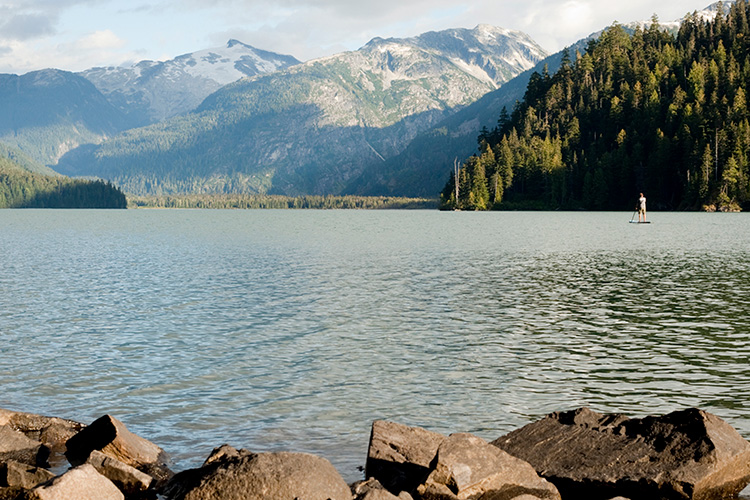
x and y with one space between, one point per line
399 456
111 437
80 483
248 476
468 468
14 445
25 476
688 454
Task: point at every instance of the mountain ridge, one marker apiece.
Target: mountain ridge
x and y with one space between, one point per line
311 128
152 91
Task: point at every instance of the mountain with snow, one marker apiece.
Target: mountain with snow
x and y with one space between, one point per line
313 127
152 91
422 168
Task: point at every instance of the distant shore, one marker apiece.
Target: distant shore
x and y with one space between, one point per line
243 201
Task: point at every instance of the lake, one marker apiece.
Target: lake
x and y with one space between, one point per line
294 330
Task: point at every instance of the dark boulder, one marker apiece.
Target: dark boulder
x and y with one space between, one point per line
688 454
400 456
14 445
111 437
247 476
467 467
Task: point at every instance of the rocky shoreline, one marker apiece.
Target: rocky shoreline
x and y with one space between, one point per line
580 454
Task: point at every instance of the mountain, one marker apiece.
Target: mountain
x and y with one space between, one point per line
313 128
151 91
422 168
46 113
651 111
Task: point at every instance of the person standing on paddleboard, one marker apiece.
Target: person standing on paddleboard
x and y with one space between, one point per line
642 208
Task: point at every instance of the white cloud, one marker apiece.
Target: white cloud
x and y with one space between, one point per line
100 48
99 40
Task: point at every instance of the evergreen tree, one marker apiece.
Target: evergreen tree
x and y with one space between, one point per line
653 112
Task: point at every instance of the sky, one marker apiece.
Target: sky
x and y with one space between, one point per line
75 35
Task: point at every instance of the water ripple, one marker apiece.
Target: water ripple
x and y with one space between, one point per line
294 330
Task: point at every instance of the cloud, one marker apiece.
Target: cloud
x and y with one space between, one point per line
100 48
27 26
64 33
99 40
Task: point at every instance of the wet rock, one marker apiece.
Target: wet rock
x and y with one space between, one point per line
111 437
129 480
373 490
248 476
14 445
688 454
399 456
80 483
468 467
22 475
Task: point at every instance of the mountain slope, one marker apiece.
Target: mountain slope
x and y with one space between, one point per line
422 168
313 128
47 113
150 91
653 112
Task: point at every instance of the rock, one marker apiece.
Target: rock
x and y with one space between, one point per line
51 431
688 454
111 437
399 456
14 445
25 476
278 476
80 483
224 452
468 467
373 490
12 493
129 480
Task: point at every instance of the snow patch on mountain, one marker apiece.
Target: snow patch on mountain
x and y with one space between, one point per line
151 91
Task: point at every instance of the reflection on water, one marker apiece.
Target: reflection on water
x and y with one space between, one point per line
295 330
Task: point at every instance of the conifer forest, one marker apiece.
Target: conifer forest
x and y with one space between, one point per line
647 111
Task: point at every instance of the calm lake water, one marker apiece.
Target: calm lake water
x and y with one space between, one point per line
294 330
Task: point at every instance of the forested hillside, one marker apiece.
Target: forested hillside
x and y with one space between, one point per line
20 188
315 127
662 114
47 113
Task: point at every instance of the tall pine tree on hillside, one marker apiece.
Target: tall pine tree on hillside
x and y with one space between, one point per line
648 112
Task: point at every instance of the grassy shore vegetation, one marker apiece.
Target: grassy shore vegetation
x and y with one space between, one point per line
243 201
666 115
20 188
